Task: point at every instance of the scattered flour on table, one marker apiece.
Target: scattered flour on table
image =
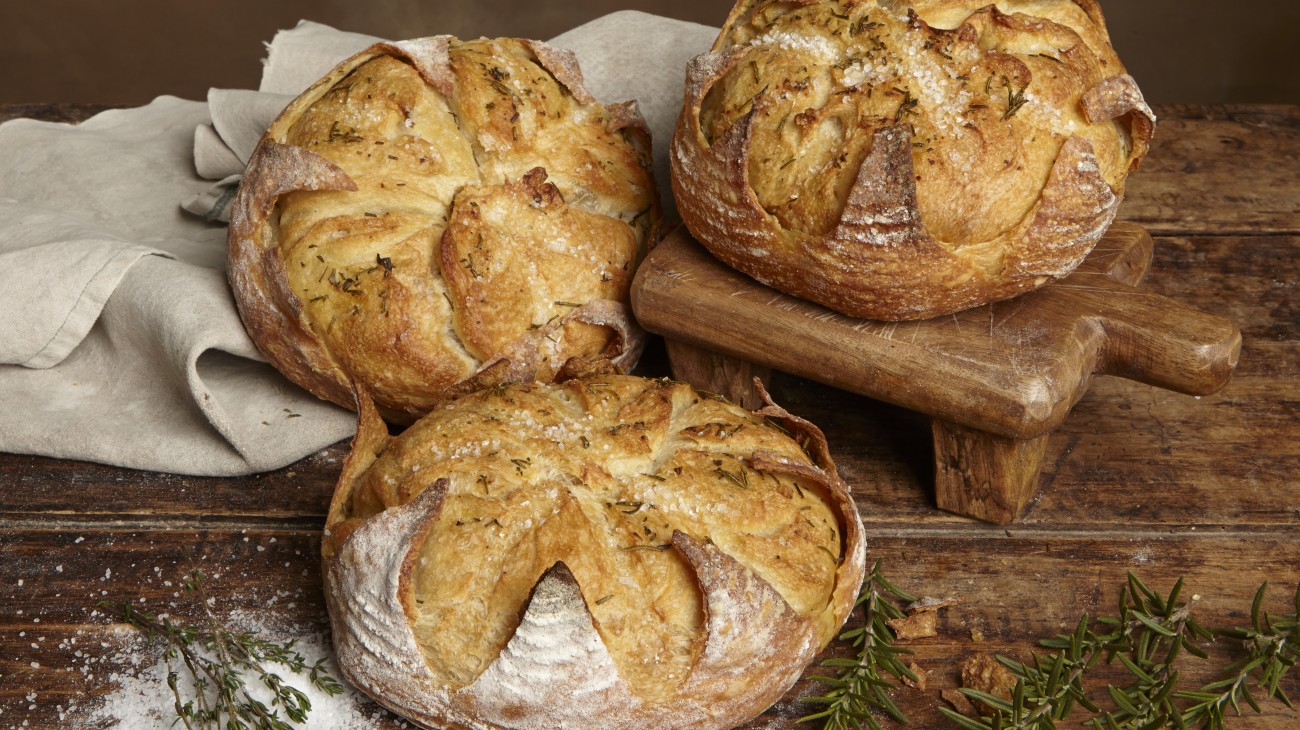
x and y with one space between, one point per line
142 700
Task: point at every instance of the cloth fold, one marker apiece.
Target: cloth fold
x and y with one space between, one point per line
119 341
222 146
122 347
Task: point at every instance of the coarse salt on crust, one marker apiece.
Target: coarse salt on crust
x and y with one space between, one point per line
1009 136
819 46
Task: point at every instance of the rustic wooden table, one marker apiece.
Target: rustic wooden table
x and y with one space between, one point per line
1137 479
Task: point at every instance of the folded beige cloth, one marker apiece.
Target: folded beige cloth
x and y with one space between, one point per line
119 341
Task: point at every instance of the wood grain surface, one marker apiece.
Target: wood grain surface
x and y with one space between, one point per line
1012 368
1136 479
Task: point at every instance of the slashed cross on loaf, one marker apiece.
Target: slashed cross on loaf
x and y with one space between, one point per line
681 559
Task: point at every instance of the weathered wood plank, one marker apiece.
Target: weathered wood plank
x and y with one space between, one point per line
1128 452
37 487
1129 455
1018 588
61 653
1252 281
1015 587
1219 170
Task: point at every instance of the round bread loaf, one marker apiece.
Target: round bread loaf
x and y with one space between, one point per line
436 214
611 552
902 160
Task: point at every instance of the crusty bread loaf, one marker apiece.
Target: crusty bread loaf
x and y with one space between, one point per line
436 214
903 160
611 552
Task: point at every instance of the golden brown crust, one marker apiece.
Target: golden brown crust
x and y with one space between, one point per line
358 222
667 560
563 65
906 160
503 241
272 314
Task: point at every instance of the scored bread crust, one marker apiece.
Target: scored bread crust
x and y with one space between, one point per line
606 451
905 160
436 212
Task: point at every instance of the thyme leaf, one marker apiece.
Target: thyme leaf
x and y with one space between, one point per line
217 663
1015 100
907 106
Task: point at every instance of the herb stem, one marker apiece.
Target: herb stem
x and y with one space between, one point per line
1147 637
218 661
860 687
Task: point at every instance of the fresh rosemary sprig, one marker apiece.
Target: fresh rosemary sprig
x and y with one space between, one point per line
218 661
1149 635
1272 647
860 685
1163 631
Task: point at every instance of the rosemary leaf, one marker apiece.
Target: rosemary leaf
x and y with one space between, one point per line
961 720
861 687
1272 646
1148 637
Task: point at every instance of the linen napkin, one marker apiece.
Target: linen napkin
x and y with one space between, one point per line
119 339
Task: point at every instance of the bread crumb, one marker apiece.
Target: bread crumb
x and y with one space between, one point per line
986 674
958 701
922 677
929 604
922 618
917 626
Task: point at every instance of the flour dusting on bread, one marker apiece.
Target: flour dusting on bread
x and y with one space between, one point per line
660 558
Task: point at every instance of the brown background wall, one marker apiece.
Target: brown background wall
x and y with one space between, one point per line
128 52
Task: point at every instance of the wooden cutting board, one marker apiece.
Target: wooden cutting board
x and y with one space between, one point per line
996 380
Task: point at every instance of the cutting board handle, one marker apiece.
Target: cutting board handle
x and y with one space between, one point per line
1156 340
996 380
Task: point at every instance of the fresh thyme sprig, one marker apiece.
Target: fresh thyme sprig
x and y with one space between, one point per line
218 662
860 685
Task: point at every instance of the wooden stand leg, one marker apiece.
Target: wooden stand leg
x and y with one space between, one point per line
984 476
727 376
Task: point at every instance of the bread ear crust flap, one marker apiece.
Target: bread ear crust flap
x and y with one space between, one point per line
891 169
555 666
369 442
341 223
748 626
270 310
